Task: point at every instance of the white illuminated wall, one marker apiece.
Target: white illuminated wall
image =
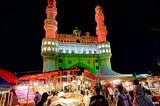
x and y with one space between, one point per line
81 48
75 48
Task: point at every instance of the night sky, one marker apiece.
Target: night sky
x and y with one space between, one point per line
133 31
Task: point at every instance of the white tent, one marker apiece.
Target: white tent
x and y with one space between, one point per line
105 73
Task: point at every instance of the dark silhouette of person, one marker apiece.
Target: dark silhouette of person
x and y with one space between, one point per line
43 99
15 98
123 99
98 99
37 98
139 96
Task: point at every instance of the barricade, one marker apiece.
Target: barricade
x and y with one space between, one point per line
5 98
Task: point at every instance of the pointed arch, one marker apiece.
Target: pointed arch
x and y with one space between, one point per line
81 65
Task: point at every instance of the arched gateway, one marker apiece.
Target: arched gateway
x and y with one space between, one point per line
61 51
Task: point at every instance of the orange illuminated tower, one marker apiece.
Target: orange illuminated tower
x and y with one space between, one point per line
50 23
101 31
50 43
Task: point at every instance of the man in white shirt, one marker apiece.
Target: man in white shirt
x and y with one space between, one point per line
86 98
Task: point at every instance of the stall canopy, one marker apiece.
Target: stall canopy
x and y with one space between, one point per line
105 73
8 76
45 75
51 74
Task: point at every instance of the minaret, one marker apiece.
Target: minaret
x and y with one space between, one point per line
101 31
50 24
50 43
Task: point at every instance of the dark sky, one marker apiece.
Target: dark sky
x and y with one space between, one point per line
133 26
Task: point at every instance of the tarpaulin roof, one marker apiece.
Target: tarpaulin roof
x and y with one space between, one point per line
106 73
8 76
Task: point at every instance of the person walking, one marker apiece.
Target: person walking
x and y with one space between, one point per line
14 101
98 99
86 98
139 96
37 98
43 99
123 99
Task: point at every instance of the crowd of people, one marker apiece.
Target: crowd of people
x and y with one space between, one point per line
104 96
119 96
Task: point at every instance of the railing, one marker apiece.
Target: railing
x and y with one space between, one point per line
6 98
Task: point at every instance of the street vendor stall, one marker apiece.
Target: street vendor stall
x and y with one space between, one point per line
25 89
125 81
154 84
29 84
7 79
57 80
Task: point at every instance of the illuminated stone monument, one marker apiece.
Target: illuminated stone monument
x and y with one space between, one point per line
61 51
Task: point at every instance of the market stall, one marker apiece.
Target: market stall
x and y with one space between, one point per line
73 79
154 84
27 86
26 89
7 79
